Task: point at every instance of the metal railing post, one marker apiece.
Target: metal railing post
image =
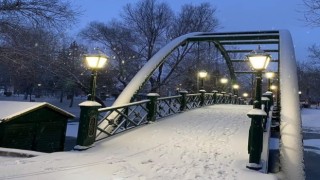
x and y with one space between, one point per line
202 97
183 104
215 96
88 125
152 106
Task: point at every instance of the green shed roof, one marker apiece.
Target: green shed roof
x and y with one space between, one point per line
12 109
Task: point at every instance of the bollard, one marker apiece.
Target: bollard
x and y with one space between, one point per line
87 125
202 97
255 139
183 104
152 106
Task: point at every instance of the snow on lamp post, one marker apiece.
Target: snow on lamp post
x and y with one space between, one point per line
202 75
259 61
95 62
269 76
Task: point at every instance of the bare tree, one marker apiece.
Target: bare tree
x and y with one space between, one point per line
312 12
124 60
44 13
29 37
149 20
192 18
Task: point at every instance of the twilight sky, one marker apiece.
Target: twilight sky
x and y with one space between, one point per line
234 15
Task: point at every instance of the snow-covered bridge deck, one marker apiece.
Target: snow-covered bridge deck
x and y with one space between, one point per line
204 143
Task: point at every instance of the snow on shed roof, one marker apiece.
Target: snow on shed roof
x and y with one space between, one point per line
13 109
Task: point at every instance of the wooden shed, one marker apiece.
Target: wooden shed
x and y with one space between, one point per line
37 126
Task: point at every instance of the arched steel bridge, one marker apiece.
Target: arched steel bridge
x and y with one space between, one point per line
276 42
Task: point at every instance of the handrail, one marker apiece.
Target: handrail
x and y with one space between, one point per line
117 119
122 106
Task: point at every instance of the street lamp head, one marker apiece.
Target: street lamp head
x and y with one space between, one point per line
269 75
259 59
273 87
203 74
235 86
224 80
300 92
96 61
245 95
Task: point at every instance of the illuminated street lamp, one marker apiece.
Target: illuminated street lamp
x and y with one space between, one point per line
95 62
269 76
235 88
273 87
39 92
259 61
202 75
223 81
300 95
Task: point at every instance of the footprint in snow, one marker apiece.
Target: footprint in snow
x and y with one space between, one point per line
147 162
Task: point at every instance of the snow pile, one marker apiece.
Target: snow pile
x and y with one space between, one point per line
205 143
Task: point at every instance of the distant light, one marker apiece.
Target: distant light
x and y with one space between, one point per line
273 87
245 94
269 75
224 80
235 86
203 74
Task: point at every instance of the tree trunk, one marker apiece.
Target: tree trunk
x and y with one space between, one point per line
61 96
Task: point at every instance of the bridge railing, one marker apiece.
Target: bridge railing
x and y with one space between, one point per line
128 116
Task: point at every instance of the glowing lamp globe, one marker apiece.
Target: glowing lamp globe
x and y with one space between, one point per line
235 86
203 74
224 80
258 59
96 61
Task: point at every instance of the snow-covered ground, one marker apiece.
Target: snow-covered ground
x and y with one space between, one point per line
311 124
190 145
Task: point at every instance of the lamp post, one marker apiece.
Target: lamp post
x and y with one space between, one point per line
245 95
95 62
235 88
259 61
39 92
223 81
269 76
202 75
89 109
300 95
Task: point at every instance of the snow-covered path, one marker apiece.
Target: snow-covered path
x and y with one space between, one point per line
205 143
